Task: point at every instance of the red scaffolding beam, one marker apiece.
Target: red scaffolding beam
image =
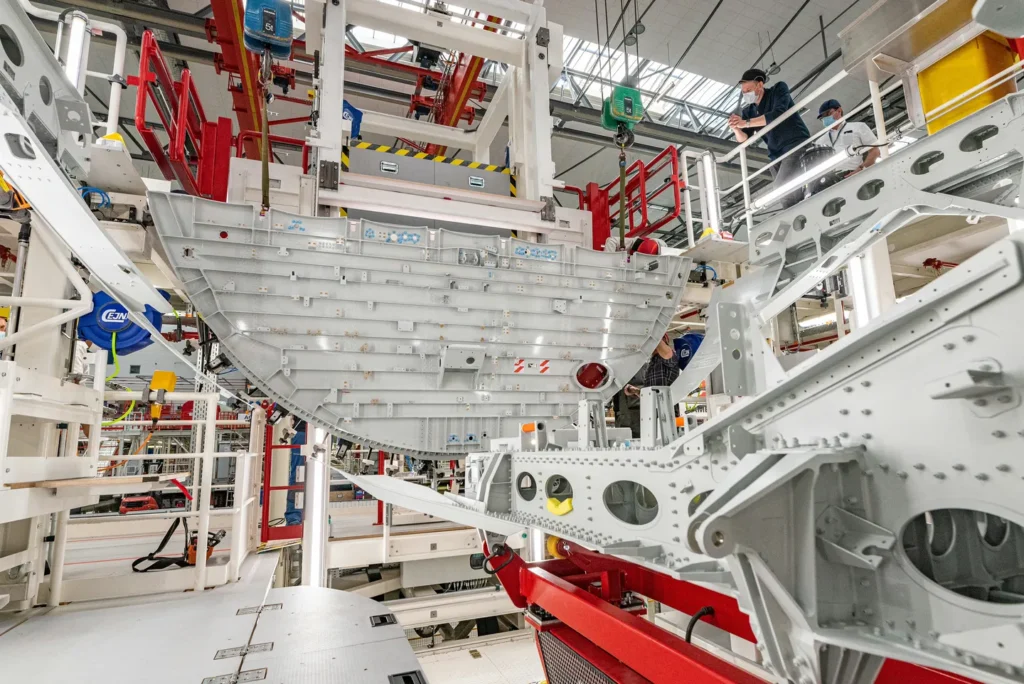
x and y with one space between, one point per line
225 29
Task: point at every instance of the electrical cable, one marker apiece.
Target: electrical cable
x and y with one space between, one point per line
135 453
86 190
706 611
705 267
117 371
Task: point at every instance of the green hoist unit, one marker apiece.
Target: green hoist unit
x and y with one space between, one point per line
621 112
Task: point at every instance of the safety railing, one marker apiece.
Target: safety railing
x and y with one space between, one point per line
244 489
751 205
270 532
603 200
198 149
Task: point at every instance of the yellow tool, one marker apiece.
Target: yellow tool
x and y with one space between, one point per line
161 383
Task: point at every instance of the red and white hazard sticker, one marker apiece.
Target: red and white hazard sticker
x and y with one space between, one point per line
522 366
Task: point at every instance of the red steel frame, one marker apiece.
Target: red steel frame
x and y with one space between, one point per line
198 150
225 28
583 590
268 533
603 201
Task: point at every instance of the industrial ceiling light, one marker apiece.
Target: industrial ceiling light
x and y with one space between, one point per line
773 69
630 39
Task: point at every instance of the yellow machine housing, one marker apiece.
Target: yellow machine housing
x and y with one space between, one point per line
960 70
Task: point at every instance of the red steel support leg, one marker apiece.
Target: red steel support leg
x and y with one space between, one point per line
597 200
380 504
222 159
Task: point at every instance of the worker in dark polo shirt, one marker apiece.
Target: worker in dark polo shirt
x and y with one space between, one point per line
761 106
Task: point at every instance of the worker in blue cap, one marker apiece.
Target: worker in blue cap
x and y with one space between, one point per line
761 106
849 135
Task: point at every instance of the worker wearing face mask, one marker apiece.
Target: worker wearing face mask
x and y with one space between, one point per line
846 135
762 106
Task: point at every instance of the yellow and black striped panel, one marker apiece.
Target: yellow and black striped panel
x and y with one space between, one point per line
512 186
401 152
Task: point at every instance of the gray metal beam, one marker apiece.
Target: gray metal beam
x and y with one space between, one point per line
152 17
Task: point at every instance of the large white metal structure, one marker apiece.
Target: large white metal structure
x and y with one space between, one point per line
863 505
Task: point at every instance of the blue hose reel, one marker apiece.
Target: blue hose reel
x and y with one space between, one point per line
108 317
268 26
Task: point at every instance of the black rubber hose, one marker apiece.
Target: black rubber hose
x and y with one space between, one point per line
706 611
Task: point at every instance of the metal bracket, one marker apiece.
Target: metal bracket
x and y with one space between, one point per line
328 177
846 538
544 36
253 610
239 651
983 384
244 676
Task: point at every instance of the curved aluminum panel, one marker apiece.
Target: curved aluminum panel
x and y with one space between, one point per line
416 340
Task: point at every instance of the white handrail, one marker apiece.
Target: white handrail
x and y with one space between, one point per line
120 50
75 308
814 136
813 95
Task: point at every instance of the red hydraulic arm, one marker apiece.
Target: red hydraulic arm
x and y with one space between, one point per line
583 600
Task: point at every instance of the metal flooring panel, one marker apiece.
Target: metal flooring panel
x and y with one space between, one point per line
170 638
324 636
422 341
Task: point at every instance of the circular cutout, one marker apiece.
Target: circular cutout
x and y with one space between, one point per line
470 360
526 485
736 354
764 238
45 91
593 375
11 46
558 488
630 502
975 554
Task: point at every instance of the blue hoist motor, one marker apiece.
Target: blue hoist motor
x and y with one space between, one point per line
268 28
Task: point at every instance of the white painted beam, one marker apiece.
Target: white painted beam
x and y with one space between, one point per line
400 127
435 30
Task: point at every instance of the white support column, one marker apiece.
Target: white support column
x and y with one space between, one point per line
530 123
60 543
77 54
240 522
329 134
314 508
205 490
497 111
875 293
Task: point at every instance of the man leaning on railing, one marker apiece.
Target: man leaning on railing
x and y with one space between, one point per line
761 106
